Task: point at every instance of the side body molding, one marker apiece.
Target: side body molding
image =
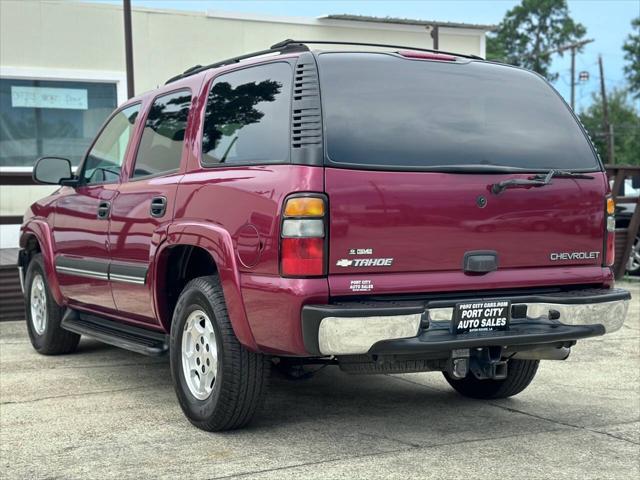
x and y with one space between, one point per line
219 244
40 229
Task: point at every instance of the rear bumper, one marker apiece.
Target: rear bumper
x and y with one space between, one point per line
423 327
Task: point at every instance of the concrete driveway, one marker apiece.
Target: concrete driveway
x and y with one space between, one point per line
108 413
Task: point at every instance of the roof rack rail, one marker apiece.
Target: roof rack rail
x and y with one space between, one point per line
290 45
287 46
289 41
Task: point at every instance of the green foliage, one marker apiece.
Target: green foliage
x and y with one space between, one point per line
631 49
626 127
530 32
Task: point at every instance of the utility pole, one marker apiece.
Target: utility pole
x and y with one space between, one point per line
606 126
574 48
128 47
573 79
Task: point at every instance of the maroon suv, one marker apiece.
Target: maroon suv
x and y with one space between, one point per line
386 212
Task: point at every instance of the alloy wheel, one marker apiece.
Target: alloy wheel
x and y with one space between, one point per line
38 304
199 354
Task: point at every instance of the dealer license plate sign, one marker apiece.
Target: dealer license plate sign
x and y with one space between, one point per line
481 316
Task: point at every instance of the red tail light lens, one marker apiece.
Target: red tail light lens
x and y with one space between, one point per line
302 257
610 233
303 236
610 256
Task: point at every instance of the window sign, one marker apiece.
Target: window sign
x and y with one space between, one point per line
46 97
50 117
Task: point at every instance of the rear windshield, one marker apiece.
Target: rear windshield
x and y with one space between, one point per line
384 110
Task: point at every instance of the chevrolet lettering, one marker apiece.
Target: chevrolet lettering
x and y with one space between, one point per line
574 256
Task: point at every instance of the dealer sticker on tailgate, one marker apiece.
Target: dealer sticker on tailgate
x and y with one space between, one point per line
481 316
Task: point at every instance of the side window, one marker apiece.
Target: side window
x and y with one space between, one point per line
160 147
247 116
104 160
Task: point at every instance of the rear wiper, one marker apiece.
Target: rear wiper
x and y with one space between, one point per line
539 180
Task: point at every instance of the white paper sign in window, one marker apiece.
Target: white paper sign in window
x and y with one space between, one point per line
47 97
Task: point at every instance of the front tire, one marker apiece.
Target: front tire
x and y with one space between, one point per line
44 314
520 373
219 383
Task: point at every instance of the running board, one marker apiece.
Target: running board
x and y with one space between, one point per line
136 339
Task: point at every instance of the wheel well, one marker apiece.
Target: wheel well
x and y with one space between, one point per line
31 247
180 264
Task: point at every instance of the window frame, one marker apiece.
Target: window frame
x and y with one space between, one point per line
82 167
130 178
207 91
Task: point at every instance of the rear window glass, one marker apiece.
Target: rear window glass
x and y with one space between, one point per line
382 110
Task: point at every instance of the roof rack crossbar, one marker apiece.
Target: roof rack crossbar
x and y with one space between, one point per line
286 48
289 41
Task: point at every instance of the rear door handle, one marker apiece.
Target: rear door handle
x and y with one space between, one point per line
104 208
158 206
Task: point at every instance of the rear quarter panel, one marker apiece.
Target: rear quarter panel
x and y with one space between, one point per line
243 204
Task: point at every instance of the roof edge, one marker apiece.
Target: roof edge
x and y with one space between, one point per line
408 21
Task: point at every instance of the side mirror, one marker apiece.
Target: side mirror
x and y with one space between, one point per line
53 171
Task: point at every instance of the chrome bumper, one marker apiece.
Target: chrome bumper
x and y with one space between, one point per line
355 329
611 315
340 336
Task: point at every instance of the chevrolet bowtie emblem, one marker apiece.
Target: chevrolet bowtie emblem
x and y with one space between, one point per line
344 262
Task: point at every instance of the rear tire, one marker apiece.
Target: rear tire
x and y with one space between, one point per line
633 264
44 314
520 373
219 383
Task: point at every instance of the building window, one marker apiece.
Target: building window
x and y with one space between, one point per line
47 117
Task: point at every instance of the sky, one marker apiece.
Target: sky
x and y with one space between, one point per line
608 22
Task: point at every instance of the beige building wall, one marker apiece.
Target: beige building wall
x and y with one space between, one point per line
83 36
84 41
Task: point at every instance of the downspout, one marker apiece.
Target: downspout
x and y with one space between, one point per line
435 36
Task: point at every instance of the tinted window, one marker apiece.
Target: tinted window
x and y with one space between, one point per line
247 116
104 160
160 147
381 110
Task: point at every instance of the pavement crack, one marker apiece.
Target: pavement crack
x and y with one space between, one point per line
608 434
539 417
395 377
379 436
82 394
558 422
378 454
79 367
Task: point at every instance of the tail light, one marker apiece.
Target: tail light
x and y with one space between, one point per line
610 233
303 236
